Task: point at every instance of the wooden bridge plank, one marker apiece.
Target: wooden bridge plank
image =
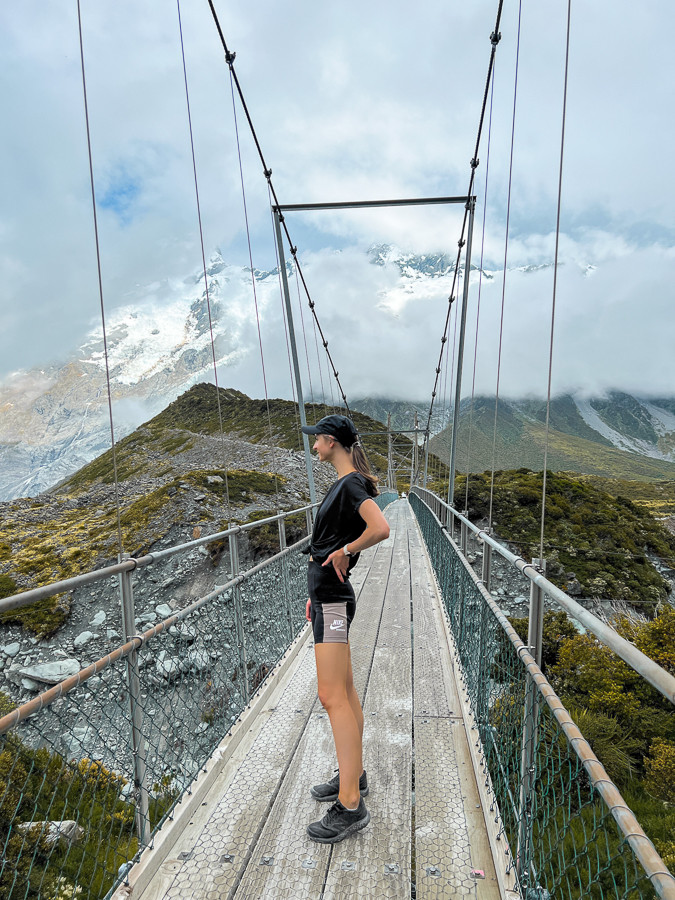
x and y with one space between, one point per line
376 863
450 838
296 866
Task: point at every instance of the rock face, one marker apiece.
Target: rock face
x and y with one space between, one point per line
65 832
51 672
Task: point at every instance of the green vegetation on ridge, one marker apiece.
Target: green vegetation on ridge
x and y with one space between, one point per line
629 725
601 540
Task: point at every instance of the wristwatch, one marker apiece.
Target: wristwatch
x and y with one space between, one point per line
346 552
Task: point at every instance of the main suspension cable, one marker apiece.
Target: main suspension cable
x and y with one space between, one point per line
100 287
495 37
229 58
555 277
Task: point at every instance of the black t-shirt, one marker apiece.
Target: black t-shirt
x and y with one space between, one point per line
337 520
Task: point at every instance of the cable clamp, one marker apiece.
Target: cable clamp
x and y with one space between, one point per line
325 344
495 38
460 243
267 173
294 251
230 58
281 217
443 339
474 162
451 300
438 370
311 304
433 394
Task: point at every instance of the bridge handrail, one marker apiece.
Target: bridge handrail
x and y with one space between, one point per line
115 746
25 598
657 872
651 671
44 699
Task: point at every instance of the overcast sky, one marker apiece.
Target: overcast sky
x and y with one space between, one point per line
350 101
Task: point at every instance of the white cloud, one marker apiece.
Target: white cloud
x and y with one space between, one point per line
385 109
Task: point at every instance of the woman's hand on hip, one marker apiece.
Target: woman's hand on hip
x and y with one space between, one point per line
340 563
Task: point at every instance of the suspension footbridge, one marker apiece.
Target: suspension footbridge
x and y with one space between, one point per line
179 764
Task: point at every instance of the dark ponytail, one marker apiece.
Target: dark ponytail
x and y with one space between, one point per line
361 464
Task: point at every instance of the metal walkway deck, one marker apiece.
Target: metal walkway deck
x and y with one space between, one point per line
242 832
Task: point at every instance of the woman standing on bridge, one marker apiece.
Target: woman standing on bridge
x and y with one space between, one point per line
347 522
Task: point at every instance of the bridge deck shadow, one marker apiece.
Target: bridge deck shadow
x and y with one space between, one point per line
242 834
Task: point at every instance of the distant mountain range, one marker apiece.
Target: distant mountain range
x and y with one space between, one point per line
54 420
618 435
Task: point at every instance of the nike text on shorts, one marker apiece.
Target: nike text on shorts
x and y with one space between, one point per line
331 621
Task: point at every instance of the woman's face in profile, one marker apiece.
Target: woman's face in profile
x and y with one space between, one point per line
323 446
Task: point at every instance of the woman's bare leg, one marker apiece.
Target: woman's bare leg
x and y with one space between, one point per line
333 669
354 701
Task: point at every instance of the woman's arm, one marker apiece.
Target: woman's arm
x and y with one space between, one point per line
377 529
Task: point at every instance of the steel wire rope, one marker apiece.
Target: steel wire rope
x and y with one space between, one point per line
555 275
480 286
495 37
275 461
506 248
201 242
294 395
452 382
304 335
100 287
318 364
229 58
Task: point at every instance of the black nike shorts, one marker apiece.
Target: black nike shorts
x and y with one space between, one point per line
333 605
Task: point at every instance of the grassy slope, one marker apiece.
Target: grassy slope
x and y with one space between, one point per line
521 442
67 532
600 539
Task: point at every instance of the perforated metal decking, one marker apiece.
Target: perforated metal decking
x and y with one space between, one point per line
242 834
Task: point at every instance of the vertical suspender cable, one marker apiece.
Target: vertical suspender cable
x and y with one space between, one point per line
555 277
201 241
304 334
480 286
506 248
100 286
255 298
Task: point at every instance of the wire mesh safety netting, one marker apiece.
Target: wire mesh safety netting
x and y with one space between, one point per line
81 778
563 840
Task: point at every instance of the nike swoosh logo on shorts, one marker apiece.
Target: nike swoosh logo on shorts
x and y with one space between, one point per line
337 626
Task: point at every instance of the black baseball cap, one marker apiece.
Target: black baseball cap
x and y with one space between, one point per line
339 427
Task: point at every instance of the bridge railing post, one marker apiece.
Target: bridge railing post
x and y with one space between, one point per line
463 535
486 572
528 773
138 745
284 575
239 618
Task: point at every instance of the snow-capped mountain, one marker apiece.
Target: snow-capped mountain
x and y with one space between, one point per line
55 419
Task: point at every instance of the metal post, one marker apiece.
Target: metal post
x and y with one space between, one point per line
284 570
487 565
137 739
294 353
463 535
239 616
460 353
528 774
390 456
426 456
415 451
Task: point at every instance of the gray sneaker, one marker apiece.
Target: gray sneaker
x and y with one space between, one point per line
339 823
329 790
